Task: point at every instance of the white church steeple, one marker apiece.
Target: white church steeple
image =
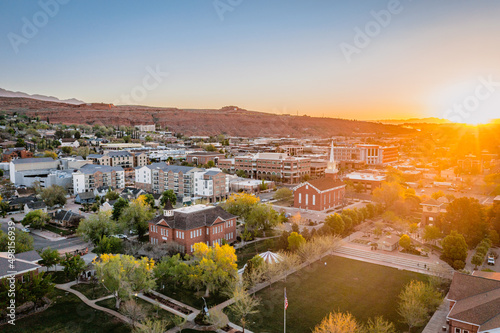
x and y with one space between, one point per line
331 167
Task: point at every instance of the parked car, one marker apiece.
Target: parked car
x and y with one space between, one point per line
121 236
26 229
491 260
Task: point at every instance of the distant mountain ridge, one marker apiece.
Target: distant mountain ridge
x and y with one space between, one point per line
19 94
429 120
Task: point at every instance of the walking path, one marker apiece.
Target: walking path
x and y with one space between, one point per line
438 320
91 303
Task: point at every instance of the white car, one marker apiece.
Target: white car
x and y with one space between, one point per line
121 236
491 260
26 229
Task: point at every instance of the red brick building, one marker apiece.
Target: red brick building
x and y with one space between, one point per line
321 193
474 303
194 224
14 153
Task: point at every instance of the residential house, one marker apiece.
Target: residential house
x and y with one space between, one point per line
69 142
25 266
85 198
35 205
10 154
66 218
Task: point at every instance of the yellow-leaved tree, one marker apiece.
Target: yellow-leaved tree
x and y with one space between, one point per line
123 275
241 204
214 267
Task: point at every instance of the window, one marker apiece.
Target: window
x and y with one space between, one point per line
300 197
457 330
314 199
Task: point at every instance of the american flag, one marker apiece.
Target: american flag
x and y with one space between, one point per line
286 300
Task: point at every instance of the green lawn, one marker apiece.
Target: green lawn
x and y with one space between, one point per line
91 290
149 308
366 290
59 231
191 297
68 314
249 251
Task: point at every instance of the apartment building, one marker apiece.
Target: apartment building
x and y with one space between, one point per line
92 176
288 169
193 224
159 177
364 153
122 158
212 184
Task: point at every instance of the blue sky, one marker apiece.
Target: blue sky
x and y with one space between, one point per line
274 56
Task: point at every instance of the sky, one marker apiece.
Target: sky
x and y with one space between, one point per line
348 59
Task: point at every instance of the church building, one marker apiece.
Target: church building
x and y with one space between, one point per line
322 193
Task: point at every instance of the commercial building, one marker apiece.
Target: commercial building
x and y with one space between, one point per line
212 185
45 171
367 181
187 226
321 193
146 128
274 166
122 158
92 176
364 153
159 177
201 158
431 209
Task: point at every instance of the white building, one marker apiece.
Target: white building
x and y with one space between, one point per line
212 184
91 176
146 128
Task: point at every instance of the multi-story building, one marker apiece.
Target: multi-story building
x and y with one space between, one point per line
431 209
322 193
193 224
92 176
159 177
366 181
15 153
212 184
292 150
122 158
288 169
46 171
200 158
146 128
318 168
364 153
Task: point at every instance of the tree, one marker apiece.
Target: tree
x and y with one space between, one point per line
418 300
152 326
454 248
94 227
109 245
241 204
123 275
179 322
244 304
67 150
112 195
148 200
36 219
262 217
136 217
437 195
283 193
335 223
118 207
379 325
295 241
214 267
73 265
54 195
338 322
467 216
217 318
388 193
405 242
49 257
431 233
477 260
50 154
23 241
134 311
168 195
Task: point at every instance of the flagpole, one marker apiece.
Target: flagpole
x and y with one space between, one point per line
284 317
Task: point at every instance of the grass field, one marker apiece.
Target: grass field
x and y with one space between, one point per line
152 312
68 314
192 298
90 290
366 290
249 251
